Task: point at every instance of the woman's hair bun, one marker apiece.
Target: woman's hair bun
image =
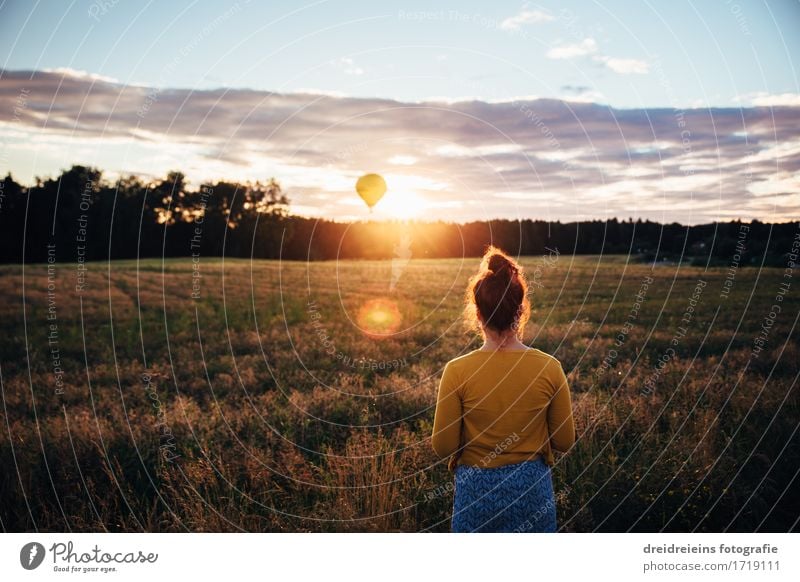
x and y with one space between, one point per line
497 295
500 266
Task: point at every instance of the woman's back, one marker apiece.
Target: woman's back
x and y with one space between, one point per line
502 411
515 405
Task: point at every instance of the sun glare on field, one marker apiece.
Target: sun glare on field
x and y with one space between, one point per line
379 317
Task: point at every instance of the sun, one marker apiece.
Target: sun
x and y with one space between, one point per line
403 204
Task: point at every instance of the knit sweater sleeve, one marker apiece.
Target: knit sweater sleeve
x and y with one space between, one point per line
559 413
446 438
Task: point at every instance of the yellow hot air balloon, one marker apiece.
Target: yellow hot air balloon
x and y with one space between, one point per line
371 188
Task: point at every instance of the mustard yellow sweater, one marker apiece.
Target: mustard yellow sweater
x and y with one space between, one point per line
500 407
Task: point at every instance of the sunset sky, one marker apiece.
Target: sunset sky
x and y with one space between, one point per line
559 110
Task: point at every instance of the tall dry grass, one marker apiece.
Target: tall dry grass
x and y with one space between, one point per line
252 421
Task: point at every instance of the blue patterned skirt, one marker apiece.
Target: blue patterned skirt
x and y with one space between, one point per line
511 498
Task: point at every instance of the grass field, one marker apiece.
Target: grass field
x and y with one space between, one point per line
274 400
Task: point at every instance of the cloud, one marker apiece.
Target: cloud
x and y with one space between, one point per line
476 159
763 99
399 160
77 73
570 51
525 17
582 94
624 66
347 65
588 47
781 183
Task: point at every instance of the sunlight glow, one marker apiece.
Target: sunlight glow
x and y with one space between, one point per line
402 204
379 317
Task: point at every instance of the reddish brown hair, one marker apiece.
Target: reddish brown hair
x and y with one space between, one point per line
497 295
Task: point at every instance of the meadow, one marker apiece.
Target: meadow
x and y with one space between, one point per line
225 395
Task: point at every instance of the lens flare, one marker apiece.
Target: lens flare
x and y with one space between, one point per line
379 317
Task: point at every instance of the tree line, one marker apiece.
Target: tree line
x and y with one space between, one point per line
80 216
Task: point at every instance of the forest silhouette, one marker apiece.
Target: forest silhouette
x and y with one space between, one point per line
81 216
